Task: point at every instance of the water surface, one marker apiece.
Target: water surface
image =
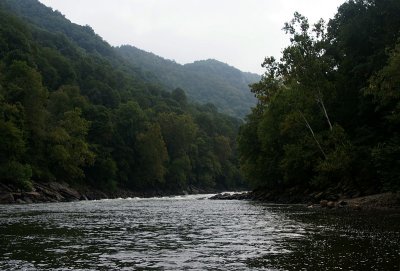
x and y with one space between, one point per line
194 233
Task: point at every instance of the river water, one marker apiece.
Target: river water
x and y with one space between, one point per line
194 233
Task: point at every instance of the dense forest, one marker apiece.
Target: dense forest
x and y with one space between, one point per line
205 81
328 112
73 110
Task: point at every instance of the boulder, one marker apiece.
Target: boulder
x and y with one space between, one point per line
95 195
20 201
235 196
27 200
53 194
34 195
4 188
70 193
330 204
194 190
6 198
323 203
64 191
221 196
17 196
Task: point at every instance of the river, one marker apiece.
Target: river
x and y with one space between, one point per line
194 233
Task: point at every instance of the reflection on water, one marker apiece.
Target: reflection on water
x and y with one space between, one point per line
193 233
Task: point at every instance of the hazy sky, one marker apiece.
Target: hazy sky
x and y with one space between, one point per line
238 32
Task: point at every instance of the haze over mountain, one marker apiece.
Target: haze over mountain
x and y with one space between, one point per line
205 81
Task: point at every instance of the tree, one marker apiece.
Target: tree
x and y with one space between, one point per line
296 137
385 89
12 148
179 133
68 150
153 157
179 95
24 90
24 85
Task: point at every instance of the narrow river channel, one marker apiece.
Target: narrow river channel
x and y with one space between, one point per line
194 233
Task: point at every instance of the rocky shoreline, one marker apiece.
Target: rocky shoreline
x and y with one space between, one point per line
63 192
388 200
50 192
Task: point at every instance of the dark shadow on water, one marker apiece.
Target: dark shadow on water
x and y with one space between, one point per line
338 240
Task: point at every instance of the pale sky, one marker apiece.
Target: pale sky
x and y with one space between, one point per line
240 33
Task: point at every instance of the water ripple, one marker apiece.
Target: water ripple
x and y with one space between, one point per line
182 233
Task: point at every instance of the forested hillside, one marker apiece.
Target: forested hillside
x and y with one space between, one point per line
206 81
72 110
329 110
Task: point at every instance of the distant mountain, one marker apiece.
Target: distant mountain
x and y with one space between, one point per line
205 81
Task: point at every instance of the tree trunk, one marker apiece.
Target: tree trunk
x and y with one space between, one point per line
313 134
321 102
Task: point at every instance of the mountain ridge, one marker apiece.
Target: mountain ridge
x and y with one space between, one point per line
205 81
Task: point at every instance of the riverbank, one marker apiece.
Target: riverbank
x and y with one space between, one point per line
63 192
388 200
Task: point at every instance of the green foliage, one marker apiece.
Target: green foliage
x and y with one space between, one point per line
73 110
17 173
179 132
12 144
68 150
386 161
103 172
328 111
153 157
179 95
385 89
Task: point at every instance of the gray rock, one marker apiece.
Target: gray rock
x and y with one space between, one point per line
27 200
32 195
65 191
53 194
4 188
227 196
70 193
20 201
6 198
